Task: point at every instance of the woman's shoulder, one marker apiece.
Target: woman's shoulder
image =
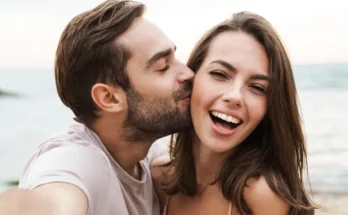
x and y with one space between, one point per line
262 199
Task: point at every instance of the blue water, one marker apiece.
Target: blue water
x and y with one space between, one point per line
323 92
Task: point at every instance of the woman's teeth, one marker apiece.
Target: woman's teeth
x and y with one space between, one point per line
225 117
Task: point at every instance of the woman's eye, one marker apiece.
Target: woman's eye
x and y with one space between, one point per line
259 88
219 74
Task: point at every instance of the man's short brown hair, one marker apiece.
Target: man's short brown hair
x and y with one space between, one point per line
88 53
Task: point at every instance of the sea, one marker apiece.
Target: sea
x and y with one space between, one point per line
36 113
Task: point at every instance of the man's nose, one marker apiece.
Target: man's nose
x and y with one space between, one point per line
185 74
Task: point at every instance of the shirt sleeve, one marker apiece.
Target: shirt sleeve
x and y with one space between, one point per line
84 167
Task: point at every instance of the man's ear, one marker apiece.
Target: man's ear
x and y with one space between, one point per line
109 98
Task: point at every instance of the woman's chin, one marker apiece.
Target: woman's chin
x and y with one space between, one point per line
219 147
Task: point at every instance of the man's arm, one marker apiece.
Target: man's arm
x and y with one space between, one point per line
64 179
49 199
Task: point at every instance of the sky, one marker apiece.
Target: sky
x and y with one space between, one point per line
313 31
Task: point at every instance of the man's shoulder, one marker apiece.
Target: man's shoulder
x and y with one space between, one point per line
69 154
72 157
75 136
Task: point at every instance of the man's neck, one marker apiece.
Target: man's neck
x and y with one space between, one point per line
127 154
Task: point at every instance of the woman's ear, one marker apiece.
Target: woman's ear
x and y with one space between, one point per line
109 98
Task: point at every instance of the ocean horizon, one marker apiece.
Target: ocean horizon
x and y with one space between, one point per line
36 113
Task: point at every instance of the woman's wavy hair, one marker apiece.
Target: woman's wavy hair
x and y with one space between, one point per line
275 149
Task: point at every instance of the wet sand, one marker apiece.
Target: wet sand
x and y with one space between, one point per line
331 203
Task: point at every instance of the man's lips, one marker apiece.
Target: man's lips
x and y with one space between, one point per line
185 97
185 100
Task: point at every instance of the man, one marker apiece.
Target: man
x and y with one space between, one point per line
117 72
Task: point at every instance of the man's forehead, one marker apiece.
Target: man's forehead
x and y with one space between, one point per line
145 38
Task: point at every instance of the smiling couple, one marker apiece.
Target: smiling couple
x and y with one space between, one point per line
237 145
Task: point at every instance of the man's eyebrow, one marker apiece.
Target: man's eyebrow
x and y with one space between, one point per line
159 55
225 64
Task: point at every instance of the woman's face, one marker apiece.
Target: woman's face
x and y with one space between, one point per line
229 91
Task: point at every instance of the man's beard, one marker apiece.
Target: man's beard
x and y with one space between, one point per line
152 117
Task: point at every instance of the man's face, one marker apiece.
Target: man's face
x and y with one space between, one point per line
159 99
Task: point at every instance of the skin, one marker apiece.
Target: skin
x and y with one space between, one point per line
161 79
232 79
158 103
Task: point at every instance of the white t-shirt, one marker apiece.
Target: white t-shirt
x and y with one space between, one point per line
78 157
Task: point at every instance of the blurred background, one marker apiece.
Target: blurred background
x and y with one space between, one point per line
314 32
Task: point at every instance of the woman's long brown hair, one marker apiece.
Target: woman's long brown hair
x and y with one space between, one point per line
275 149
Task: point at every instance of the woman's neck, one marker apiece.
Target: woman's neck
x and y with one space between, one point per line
207 162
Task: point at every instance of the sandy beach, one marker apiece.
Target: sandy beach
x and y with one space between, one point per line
331 203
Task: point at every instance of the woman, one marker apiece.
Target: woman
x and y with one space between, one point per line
246 154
